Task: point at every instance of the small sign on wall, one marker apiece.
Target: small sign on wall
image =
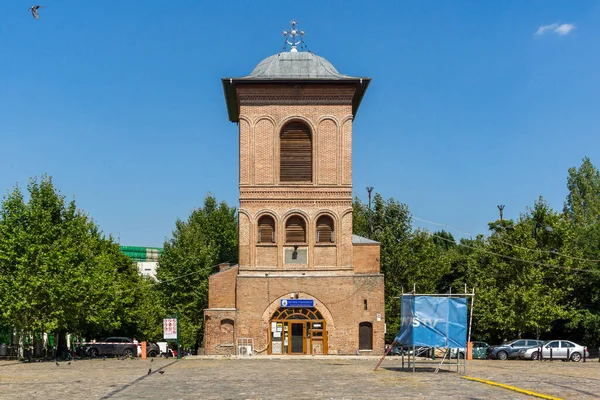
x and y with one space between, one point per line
378 317
297 303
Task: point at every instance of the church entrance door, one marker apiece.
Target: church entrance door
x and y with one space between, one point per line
297 331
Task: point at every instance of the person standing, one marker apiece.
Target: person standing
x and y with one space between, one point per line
138 347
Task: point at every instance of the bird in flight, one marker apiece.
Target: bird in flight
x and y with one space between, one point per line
34 10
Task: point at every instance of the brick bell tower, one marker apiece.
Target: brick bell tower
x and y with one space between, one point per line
298 259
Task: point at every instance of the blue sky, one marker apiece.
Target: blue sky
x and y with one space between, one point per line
471 103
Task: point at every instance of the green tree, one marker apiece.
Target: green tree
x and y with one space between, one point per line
57 271
583 200
582 210
408 257
207 238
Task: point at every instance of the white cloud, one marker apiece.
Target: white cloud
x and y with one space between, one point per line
545 28
564 29
560 29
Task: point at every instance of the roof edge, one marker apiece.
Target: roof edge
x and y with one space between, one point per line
231 99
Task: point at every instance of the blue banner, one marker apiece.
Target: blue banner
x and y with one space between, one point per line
433 322
297 303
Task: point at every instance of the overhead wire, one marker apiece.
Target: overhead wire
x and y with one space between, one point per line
553 252
172 279
516 258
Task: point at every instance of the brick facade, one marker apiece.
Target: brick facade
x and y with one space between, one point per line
342 278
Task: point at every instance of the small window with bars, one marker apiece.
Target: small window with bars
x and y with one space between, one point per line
325 229
266 229
295 230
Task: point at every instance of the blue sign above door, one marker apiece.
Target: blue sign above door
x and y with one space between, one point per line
297 303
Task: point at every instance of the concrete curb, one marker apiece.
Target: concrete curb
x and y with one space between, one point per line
513 388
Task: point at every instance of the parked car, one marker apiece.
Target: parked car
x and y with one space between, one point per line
511 349
559 349
152 349
480 350
399 349
112 346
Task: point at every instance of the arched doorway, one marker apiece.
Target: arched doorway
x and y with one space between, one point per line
297 330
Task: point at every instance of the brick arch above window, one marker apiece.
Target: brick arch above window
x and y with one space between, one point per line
266 229
295 229
295 153
325 229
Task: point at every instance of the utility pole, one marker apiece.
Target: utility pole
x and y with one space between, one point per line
370 189
501 208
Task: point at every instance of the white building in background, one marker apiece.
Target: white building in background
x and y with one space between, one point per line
145 257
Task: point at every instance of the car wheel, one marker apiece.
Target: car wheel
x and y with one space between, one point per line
535 355
502 355
576 357
128 353
152 354
93 353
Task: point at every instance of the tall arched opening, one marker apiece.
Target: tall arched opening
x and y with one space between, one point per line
297 330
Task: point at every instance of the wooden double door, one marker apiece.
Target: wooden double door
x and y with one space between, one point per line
297 333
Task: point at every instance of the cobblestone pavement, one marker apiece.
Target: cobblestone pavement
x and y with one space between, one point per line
270 378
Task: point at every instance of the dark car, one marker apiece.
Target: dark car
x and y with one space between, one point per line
511 349
112 346
399 349
152 349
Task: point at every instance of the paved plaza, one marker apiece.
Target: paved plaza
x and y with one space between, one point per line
303 378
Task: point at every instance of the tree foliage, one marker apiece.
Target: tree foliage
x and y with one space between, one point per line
58 273
533 277
207 238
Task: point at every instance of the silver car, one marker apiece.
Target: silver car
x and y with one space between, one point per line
555 349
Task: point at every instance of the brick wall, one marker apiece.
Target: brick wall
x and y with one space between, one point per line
221 285
339 277
339 298
213 337
366 258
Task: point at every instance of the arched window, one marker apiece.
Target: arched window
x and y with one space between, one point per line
295 230
295 156
365 336
226 335
325 229
266 229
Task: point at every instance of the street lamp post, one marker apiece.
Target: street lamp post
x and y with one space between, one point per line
370 189
537 225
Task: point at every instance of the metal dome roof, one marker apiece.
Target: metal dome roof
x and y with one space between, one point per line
292 67
296 65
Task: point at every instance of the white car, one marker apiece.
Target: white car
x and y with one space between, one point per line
555 349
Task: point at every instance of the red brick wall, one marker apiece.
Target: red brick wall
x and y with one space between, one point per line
212 331
340 297
366 258
221 293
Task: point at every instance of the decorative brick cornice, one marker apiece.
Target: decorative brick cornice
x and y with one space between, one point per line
258 100
296 202
295 94
301 193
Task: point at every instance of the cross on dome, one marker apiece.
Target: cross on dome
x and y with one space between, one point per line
293 37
